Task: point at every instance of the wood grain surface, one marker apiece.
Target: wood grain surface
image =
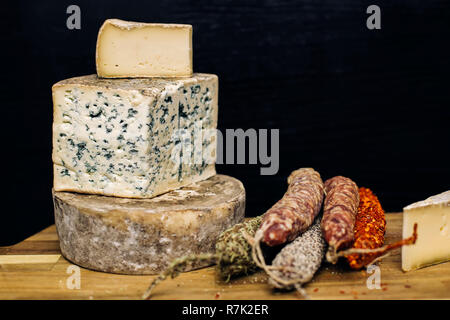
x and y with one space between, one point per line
35 269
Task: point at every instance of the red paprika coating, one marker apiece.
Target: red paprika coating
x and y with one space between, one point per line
370 227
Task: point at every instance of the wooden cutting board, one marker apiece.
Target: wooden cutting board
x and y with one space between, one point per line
35 269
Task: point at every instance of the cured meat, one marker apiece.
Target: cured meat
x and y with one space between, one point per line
296 211
370 226
233 255
288 218
298 261
379 253
340 208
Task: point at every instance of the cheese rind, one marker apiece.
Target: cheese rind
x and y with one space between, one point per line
134 49
142 236
433 229
122 137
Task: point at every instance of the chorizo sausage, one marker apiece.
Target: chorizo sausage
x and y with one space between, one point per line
370 226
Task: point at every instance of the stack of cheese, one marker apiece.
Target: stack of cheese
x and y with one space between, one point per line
130 194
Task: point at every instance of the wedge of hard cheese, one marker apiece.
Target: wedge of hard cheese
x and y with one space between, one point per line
133 49
142 236
433 228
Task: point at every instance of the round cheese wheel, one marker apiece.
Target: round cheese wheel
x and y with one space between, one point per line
142 236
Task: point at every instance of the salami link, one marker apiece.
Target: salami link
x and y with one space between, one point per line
298 261
296 211
340 208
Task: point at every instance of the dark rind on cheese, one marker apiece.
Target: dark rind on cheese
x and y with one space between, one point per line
142 84
142 236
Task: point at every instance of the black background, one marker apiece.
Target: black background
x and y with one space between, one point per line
373 105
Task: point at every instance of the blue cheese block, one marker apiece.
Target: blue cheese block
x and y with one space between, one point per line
134 138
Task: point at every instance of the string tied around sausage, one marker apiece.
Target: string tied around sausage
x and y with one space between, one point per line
258 258
382 252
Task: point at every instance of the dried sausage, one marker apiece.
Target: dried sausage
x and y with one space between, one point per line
340 207
296 211
299 260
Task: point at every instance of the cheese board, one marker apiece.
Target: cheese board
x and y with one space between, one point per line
35 269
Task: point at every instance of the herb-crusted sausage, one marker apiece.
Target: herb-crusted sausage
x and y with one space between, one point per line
296 211
340 207
233 255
